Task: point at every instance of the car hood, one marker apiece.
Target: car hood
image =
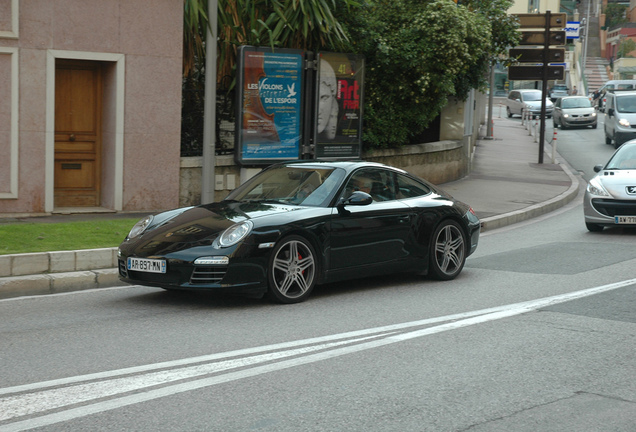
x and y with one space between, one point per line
200 226
621 184
578 111
537 104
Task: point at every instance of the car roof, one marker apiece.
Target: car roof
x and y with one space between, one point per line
348 165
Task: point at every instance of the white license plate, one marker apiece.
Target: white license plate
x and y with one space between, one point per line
147 265
631 220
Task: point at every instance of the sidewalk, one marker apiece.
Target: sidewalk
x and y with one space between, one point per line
506 185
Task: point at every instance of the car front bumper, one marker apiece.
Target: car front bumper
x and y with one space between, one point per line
579 121
603 211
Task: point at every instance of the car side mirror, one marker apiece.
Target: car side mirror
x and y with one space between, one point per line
357 198
610 112
598 168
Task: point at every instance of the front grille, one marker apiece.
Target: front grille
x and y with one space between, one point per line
615 207
207 274
123 270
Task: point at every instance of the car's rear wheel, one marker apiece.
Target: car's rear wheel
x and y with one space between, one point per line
292 270
592 227
448 251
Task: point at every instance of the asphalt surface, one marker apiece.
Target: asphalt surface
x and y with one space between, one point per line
506 185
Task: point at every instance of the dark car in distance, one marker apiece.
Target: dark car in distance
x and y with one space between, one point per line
298 224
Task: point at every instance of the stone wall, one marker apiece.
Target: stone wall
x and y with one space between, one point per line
438 162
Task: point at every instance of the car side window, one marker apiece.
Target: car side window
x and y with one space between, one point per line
410 188
376 182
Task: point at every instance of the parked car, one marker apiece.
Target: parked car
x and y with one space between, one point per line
610 197
558 91
620 117
621 85
574 111
298 224
520 101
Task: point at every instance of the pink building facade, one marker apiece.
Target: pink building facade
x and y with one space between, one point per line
90 105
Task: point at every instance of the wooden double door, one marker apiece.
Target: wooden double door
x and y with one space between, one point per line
78 134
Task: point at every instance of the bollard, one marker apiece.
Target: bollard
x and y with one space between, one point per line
536 125
554 143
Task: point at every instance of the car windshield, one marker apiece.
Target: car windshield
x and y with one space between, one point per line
559 88
626 104
532 96
624 158
291 184
582 102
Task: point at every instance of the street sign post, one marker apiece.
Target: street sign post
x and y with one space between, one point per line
534 73
537 60
535 55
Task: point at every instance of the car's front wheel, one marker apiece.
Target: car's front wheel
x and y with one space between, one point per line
448 251
293 270
508 112
592 227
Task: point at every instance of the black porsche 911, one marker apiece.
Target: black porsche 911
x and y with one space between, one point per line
298 224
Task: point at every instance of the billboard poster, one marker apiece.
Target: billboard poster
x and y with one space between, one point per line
270 94
338 119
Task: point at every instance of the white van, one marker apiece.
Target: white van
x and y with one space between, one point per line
614 85
620 117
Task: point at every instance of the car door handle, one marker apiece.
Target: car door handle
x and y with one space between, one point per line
404 219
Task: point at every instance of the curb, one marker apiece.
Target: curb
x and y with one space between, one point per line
67 271
535 210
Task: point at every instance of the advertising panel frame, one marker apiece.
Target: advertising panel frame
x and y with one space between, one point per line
338 106
270 109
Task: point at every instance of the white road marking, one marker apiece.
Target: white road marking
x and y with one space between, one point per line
150 383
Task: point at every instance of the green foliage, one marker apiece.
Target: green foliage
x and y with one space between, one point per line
615 15
419 54
626 47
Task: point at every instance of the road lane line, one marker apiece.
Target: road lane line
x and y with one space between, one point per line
29 403
336 350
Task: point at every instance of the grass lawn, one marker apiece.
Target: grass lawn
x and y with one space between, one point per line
27 237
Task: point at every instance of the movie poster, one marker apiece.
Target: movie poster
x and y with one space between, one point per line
338 120
269 120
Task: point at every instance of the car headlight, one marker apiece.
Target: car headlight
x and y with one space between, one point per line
140 227
566 115
624 122
595 187
594 114
235 234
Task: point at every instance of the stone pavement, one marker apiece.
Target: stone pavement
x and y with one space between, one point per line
506 185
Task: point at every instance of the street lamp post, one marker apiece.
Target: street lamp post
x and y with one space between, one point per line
587 38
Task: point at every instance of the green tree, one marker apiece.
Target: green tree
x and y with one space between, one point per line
420 54
626 47
304 24
615 15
